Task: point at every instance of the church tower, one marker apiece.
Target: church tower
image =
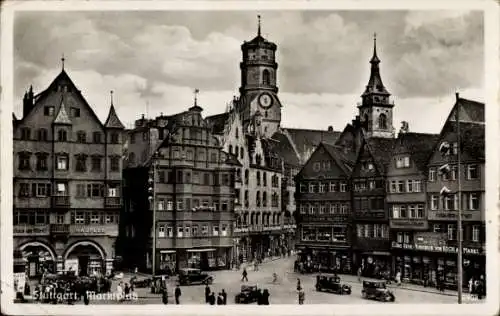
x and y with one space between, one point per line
375 110
258 83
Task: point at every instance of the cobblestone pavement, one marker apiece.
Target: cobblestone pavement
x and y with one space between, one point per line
284 291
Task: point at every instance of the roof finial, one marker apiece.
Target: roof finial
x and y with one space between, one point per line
258 30
62 61
111 94
196 91
375 57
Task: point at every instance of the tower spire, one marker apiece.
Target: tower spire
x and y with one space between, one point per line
196 91
375 58
111 95
62 61
258 28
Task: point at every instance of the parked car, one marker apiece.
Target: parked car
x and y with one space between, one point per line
248 294
190 276
377 290
147 281
329 283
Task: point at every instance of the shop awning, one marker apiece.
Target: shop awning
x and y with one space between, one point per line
167 251
377 253
201 250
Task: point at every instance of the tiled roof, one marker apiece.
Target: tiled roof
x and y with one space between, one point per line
305 140
381 151
218 122
113 121
285 149
472 137
345 160
418 145
471 111
62 116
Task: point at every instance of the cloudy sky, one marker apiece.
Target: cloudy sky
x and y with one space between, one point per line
154 60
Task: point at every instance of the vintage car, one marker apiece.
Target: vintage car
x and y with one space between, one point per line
146 282
189 276
329 283
248 294
377 290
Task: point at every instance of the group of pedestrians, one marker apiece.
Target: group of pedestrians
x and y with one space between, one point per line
210 297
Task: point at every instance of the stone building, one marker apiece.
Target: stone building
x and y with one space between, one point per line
67 181
194 197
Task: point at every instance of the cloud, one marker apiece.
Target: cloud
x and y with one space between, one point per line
158 58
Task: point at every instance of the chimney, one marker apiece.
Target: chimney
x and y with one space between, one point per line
330 129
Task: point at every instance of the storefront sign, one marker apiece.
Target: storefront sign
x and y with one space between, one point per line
370 214
31 230
453 215
330 218
111 230
19 282
432 248
421 224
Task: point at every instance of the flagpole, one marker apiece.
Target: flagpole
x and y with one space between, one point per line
459 224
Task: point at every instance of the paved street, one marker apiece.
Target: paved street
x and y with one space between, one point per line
284 292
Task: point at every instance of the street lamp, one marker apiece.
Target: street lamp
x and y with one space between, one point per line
446 150
152 202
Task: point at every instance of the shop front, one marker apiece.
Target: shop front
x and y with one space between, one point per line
168 261
85 259
209 258
328 259
375 263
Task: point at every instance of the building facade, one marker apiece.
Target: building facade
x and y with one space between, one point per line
67 182
406 199
323 199
193 183
442 195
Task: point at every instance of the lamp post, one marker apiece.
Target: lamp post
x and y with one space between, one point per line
459 219
152 201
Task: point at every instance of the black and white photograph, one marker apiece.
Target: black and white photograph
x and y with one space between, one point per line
164 156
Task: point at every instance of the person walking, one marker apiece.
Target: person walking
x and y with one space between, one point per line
164 296
211 299
244 275
207 293
302 296
177 294
265 297
259 297
224 297
359 274
398 278
298 285
471 285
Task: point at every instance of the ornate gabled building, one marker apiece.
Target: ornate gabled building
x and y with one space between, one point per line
440 246
67 182
192 193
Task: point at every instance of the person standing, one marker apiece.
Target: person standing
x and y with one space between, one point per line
259 297
207 293
359 274
177 294
219 299
398 278
164 296
244 275
302 296
224 297
298 285
211 298
470 285
265 297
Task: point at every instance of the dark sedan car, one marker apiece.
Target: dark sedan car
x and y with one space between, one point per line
189 276
377 290
332 284
248 294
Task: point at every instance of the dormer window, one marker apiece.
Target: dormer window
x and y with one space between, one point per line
403 162
48 111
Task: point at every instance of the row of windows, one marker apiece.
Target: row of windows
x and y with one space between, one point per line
196 204
274 179
471 173
324 234
93 190
408 211
62 162
265 219
50 110
324 208
322 187
238 151
470 201
166 231
62 136
470 232
363 185
372 230
203 178
76 217
369 203
408 186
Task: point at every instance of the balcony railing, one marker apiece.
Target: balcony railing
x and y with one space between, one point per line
60 201
113 201
59 229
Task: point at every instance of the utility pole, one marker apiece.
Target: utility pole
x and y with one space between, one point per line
152 199
459 192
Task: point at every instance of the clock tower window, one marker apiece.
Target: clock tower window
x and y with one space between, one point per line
382 121
266 77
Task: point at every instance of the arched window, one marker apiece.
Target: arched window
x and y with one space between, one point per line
258 177
230 149
252 219
242 152
264 179
236 151
246 176
236 133
266 77
257 199
264 199
382 121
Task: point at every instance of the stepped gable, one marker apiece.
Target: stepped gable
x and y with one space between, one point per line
285 149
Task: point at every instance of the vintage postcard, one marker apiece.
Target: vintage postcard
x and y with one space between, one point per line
208 157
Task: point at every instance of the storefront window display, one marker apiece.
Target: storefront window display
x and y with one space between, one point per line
167 262
417 269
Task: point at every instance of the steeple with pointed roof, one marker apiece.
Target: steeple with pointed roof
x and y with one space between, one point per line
375 110
113 121
62 116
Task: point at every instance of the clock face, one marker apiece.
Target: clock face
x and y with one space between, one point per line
265 100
